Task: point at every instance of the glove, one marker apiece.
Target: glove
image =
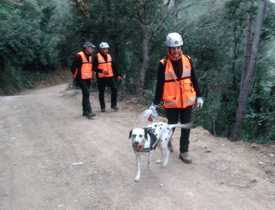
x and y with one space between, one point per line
105 72
119 78
153 107
199 102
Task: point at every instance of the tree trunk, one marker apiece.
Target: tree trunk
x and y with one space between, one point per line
247 50
176 11
149 25
248 77
144 66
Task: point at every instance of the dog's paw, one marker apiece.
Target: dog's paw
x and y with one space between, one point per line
137 179
164 164
158 161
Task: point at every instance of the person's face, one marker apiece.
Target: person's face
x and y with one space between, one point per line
89 50
104 51
175 51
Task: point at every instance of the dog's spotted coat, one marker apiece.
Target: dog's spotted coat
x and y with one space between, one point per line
145 140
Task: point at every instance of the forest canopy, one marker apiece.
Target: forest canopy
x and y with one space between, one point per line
39 37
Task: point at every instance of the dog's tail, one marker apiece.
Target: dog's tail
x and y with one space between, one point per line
186 126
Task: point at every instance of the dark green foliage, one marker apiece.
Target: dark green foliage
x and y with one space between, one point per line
38 37
32 35
217 52
18 41
259 122
268 32
216 49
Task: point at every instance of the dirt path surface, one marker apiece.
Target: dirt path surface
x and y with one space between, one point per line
53 158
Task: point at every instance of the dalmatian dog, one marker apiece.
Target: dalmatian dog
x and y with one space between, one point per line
145 140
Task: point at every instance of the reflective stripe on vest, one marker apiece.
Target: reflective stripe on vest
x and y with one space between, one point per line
105 65
170 103
178 92
173 75
86 68
188 101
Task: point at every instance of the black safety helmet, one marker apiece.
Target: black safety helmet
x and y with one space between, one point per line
88 44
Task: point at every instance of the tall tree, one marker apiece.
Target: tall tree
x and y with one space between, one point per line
150 15
248 74
175 12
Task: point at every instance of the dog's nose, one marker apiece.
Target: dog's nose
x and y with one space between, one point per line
136 142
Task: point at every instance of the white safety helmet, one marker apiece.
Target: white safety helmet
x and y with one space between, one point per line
174 40
103 45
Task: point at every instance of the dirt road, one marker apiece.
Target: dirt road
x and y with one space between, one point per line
53 158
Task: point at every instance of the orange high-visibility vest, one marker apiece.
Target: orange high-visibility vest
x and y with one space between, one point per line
102 64
86 68
178 93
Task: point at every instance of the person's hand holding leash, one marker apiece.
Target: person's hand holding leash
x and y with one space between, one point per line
153 107
150 114
199 102
119 78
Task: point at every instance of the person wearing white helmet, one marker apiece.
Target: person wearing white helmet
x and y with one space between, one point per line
178 89
106 72
82 71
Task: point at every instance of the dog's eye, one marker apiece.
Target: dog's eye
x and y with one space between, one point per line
134 135
140 136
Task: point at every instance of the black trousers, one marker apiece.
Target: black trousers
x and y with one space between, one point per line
173 116
101 84
84 86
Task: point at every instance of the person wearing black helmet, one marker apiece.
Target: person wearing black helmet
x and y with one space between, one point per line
82 71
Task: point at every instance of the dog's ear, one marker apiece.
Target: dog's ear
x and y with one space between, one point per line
130 134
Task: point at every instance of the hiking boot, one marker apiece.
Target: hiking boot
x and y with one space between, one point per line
170 147
85 113
103 110
115 108
185 157
90 115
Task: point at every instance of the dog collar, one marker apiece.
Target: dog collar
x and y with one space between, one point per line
141 146
141 149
